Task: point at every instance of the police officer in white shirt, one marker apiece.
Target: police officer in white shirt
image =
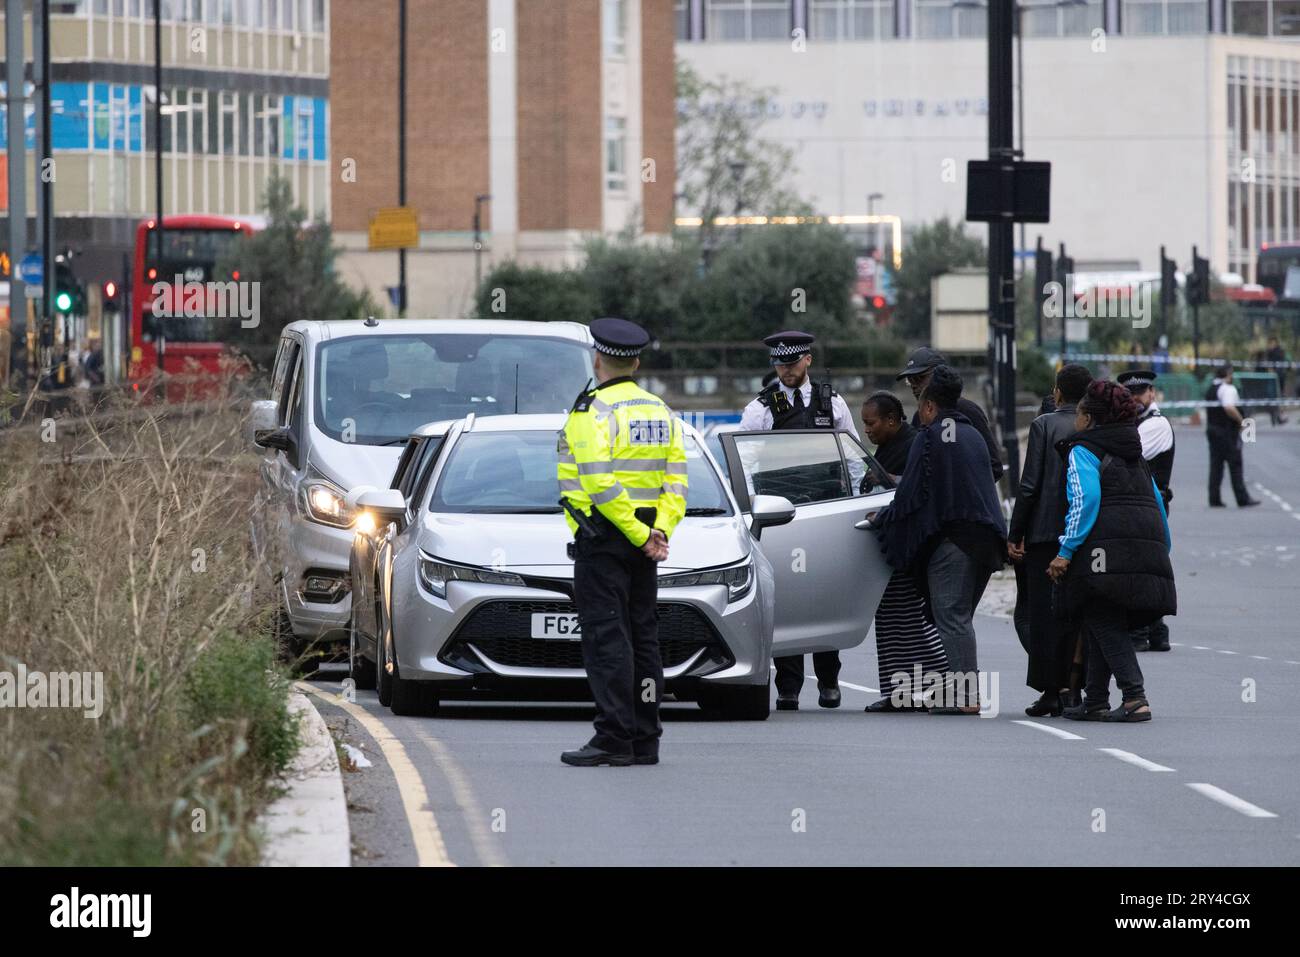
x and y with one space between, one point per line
1223 424
795 401
1157 437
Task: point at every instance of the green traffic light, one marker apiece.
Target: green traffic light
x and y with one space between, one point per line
63 302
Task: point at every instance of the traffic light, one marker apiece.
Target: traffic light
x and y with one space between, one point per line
1198 282
1064 269
69 296
111 303
1168 281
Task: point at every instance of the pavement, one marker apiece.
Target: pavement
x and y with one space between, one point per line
1214 779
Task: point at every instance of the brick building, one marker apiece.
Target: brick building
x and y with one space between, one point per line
562 111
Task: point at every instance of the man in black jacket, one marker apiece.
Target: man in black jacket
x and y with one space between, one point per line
1036 525
920 364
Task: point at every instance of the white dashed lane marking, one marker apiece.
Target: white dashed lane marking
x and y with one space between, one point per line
1240 805
1134 759
1065 735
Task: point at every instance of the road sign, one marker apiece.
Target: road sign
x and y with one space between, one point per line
32 269
394 227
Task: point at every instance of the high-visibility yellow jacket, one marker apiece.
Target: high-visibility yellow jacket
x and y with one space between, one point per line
621 449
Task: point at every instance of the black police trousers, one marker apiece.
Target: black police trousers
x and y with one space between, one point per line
789 671
615 586
1225 449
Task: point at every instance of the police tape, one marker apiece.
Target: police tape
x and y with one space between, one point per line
1242 365
1203 404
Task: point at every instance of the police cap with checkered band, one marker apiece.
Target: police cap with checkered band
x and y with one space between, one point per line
789 346
619 338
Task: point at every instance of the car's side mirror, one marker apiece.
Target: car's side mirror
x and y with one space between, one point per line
261 417
281 439
386 504
768 511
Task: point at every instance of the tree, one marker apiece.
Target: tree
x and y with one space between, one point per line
932 251
293 263
724 167
512 291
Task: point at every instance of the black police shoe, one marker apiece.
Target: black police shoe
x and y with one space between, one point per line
828 696
589 757
787 702
1159 644
645 759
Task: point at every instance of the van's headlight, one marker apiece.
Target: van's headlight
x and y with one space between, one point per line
435 574
326 504
739 579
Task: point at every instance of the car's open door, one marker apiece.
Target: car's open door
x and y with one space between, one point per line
829 572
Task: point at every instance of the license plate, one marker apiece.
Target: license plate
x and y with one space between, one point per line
560 627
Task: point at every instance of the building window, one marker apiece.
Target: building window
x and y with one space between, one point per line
851 19
748 19
682 19
614 26
229 122
615 153
1249 18
180 113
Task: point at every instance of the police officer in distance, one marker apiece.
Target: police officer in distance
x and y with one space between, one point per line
794 401
1157 436
622 475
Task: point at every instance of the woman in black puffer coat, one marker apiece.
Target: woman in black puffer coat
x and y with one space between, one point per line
1113 564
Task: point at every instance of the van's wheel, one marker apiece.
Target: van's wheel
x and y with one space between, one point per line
739 702
361 670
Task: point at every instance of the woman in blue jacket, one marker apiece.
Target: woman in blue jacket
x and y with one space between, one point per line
1113 563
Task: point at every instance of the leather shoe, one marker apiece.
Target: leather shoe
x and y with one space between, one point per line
645 759
1047 704
828 696
787 702
1141 644
1217 505
1159 644
588 756
887 706
1246 504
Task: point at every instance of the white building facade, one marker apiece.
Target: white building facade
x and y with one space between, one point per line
1167 122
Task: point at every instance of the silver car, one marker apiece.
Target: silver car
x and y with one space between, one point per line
344 398
463 587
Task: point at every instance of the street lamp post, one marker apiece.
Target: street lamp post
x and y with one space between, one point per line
1002 278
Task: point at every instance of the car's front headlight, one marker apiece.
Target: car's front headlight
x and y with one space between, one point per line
434 575
326 504
739 579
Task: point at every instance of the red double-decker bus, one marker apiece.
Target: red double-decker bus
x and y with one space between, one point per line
166 333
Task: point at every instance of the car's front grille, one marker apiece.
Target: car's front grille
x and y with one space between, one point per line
501 630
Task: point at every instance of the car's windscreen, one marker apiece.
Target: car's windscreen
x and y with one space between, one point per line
375 389
515 472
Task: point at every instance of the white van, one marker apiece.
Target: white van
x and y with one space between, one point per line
344 398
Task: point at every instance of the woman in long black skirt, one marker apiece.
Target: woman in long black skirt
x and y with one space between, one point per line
907 642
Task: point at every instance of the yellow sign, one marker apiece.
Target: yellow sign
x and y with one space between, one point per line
394 227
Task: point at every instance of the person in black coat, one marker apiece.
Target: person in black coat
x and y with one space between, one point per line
920 365
907 641
1033 539
945 526
1113 562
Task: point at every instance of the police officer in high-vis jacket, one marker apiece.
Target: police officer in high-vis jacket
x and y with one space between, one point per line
622 473
795 401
